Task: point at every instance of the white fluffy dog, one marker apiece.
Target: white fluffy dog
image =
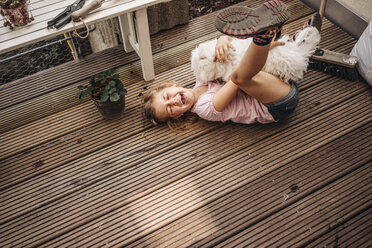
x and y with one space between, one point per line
287 62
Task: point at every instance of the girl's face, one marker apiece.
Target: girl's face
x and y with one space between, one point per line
172 102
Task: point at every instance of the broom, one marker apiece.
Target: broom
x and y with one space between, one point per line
333 63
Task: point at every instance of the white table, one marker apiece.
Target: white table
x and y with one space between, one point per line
136 35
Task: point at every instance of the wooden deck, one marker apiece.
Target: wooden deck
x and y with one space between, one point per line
68 178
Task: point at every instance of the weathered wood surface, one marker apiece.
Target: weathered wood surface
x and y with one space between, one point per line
55 89
71 179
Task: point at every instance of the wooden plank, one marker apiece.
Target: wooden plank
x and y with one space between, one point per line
79 124
26 168
42 11
158 172
34 33
205 24
14 116
25 35
353 233
204 185
66 149
71 72
31 132
341 199
65 97
62 75
332 36
257 200
59 100
124 187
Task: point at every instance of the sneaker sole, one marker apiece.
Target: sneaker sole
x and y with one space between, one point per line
246 22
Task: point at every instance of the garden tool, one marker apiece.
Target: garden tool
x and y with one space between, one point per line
71 45
333 63
83 12
65 16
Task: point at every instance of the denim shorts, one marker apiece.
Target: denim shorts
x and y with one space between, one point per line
286 105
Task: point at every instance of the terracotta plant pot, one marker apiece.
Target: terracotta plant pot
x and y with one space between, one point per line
111 110
18 16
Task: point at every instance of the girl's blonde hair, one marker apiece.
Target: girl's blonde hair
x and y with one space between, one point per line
150 111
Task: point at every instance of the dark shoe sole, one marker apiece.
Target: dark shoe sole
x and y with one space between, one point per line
246 22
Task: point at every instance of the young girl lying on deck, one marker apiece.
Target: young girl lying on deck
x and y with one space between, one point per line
234 87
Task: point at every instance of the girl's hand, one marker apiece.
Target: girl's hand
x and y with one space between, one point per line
276 43
221 52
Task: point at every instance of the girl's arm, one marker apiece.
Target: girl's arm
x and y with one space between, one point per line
224 96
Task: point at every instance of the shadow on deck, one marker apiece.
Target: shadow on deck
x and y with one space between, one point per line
71 179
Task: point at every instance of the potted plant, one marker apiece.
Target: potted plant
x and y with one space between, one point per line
107 92
15 12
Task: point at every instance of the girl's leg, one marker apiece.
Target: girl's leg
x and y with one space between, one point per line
256 83
262 23
265 87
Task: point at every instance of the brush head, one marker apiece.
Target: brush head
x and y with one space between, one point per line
335 64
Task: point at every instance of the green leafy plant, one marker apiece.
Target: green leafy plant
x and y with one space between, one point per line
104 86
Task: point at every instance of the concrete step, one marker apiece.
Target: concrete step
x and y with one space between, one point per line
352 16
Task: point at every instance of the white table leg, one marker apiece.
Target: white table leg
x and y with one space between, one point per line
144 44
136 36
126 22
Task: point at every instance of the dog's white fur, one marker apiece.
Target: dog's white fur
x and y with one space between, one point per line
287 62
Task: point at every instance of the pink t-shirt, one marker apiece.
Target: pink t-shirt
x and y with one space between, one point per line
242 109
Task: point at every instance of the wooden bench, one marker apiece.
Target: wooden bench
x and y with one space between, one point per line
132 16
